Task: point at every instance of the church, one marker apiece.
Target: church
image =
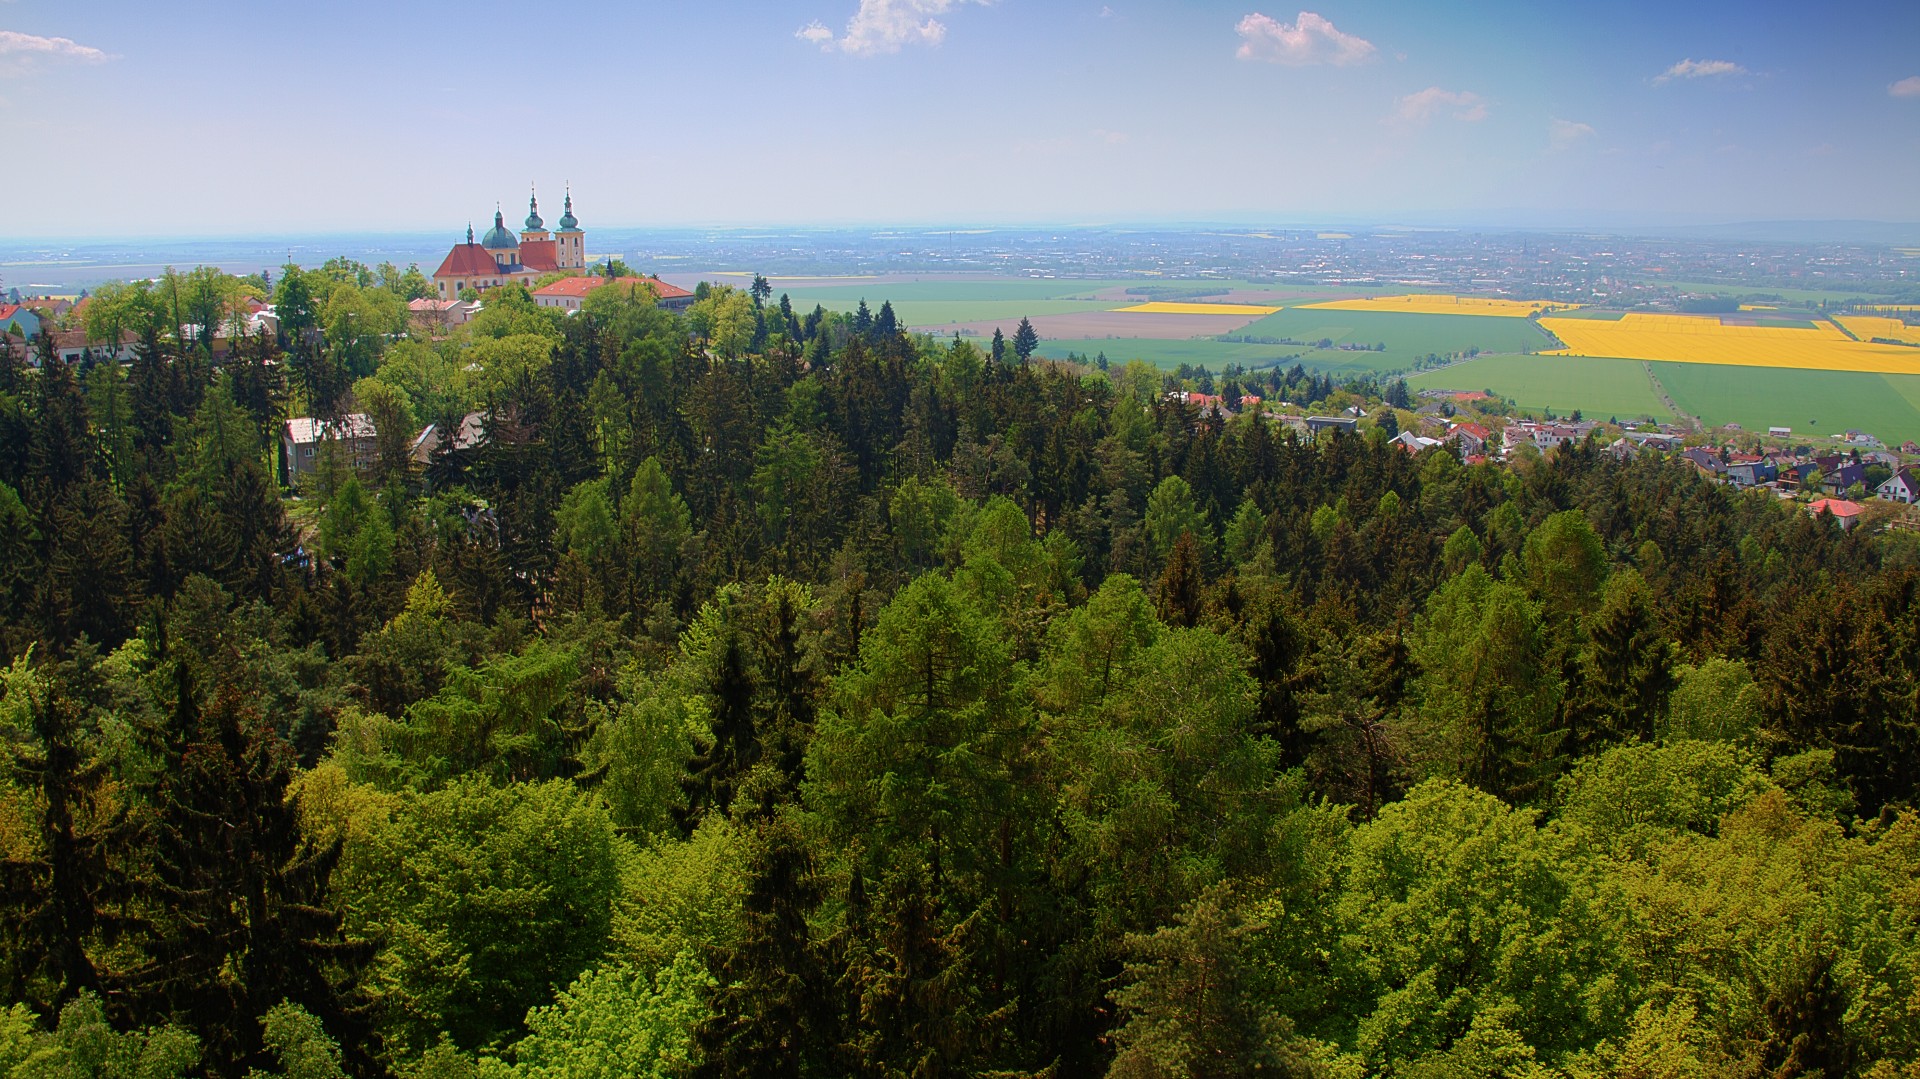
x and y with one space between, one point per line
501 258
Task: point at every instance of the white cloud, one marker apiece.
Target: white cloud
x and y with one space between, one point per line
884 26
1562 134
21 53
1907 87
1310 39
1699 69
1425 105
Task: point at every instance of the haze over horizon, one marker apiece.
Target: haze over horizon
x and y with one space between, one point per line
238 120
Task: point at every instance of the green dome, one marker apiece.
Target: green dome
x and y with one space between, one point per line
497 237
534 224
567 222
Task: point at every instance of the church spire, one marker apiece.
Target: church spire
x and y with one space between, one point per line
567 220
469 232
534 224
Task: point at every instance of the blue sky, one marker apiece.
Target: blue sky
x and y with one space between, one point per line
230 118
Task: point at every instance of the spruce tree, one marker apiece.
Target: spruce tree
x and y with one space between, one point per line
1025 340
243 921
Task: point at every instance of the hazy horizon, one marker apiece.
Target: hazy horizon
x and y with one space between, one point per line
240 121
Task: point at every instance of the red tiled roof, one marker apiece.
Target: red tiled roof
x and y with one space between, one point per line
467 260
1839 507
1473 429
7 310
1472 395
580 286
539 255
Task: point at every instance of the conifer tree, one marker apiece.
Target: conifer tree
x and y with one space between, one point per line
1025 340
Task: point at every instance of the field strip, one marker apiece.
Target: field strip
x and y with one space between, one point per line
1868 327
1686 339
1171 308
1445 305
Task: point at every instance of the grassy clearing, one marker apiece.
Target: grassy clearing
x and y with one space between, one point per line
1813 403
1600 388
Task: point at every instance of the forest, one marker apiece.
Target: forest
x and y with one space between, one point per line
782 694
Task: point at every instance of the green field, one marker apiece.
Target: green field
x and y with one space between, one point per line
1200 352
1600 388
1814 403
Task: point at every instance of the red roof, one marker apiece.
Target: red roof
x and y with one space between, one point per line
580 286
1839 507
539 255
7 310
1472 395
1473 429
468 260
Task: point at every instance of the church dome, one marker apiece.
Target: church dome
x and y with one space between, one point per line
567 221
534 224
497 237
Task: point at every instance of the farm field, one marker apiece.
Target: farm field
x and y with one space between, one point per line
1097 325
1868 327
1704 339
1437 304
1817 404
1159 308
1600 388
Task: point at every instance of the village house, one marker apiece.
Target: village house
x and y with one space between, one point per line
433 314
1845 512
1414 443
1706 462
1756 472
19 320
1899 487
1546 436
569 293
301 440
1470 437
1340 424
472 432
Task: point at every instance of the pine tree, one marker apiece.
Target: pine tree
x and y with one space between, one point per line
885 325
1025 340
734 743
1178 599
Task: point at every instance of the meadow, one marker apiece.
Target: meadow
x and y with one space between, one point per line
1599 388
1816 404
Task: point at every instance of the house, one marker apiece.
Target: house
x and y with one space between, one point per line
72 346
19 319
1845 512
1470 437
1413 443
472 432
301 439
440 314
1779 432
1546 436
1900 487
1707 462
569 293
1755 473
1337 424
1910 446
1839 479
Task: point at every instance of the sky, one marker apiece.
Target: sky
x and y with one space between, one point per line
230 118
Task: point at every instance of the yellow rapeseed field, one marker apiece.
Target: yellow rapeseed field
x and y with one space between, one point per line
1158 308
1696 339
1445 305
1758 307
1868 327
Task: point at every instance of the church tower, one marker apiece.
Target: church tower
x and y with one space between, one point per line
570 247
536 230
